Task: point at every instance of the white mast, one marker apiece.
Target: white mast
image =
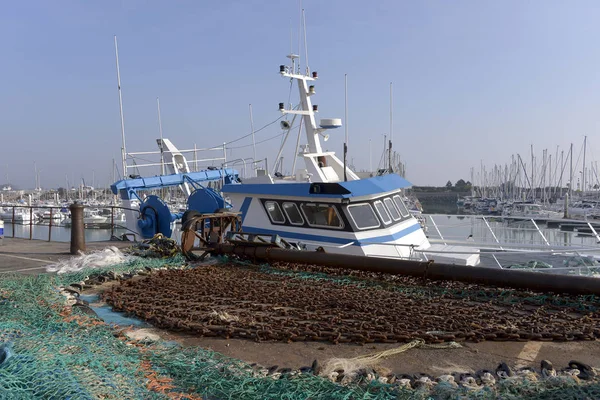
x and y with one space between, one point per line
123 150
305 43
160 131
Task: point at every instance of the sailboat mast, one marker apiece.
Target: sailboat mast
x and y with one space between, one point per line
571 172
123 150
532 174
345 123
584 151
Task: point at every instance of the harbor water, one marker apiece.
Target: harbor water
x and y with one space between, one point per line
58 234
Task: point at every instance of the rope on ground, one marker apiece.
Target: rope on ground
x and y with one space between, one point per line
350 366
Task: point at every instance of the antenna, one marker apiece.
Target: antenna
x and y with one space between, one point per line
253 141
162 155
123 150
299 37
305 43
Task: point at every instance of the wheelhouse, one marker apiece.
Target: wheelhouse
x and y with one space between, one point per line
364 215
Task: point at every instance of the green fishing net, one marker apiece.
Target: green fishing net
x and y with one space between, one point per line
51 351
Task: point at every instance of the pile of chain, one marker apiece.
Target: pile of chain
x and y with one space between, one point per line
265 304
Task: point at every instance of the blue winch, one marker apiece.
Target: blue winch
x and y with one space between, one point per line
206 200
155 217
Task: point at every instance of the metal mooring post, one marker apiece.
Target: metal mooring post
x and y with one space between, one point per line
77 228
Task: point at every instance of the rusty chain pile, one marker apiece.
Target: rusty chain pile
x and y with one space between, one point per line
293 303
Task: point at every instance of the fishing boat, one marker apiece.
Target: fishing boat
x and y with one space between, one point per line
325 205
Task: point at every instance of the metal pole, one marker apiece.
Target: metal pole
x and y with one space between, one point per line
50 226
493 234
112 222
13 222
123 150
224 161
253 141
195 158
437 229
77 228
540 232
162 155
594 231
345 123
30 223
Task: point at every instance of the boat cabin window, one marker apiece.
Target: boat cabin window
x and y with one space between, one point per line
385 216
293 213
274 212
394 212
324 215
401 206
363 216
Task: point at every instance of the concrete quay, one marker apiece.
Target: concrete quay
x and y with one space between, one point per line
25 256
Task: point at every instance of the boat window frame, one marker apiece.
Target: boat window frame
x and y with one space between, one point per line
266 205
288 215
403 206
389 218
349 206
394 207
337 213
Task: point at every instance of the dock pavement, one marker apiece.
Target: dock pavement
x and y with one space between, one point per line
32 256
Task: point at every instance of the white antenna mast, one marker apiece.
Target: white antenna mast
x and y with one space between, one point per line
253 140
299 39
305 43
123 150
162 155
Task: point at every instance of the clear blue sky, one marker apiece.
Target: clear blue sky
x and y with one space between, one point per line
473 80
